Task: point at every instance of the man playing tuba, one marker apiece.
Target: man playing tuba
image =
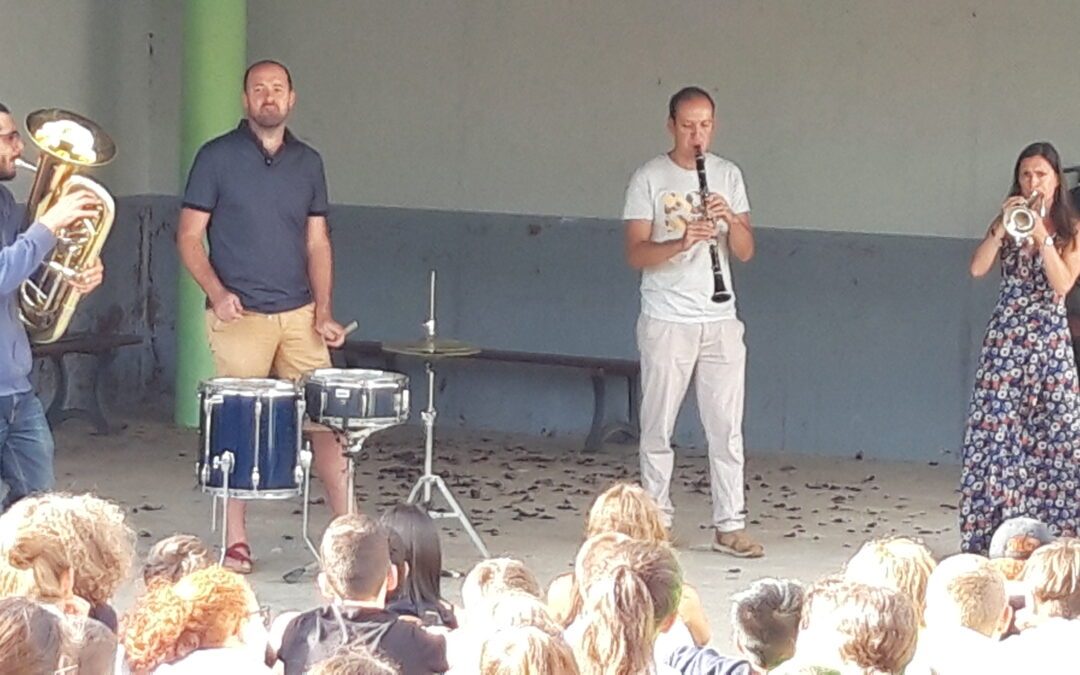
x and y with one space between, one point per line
26 444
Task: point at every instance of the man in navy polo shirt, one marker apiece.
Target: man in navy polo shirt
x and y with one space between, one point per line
259 194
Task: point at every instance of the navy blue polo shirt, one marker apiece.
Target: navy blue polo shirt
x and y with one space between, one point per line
259 205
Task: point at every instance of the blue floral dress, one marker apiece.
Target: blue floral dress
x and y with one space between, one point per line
1021 453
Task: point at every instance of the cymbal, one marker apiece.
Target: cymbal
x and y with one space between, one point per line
432 348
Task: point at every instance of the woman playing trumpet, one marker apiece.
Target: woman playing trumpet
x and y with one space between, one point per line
1021 451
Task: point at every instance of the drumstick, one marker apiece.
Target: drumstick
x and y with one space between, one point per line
350 328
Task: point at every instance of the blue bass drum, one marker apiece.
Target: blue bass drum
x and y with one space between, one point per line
250 438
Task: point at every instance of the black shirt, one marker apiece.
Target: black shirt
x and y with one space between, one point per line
315 635
259 205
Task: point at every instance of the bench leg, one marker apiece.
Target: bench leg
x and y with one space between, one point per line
54 414
59 412
595 440
97 409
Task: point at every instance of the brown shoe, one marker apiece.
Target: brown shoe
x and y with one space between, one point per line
738 544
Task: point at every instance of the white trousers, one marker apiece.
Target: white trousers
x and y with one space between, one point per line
671 353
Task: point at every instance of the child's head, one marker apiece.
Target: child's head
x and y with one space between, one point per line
91 644
31 637
526 650
897 563
627 509
355 554
208 608
848 624
175 557
765 621
966 590
1052 574
354 658
522 609
43 537
593 559
422 552
491 579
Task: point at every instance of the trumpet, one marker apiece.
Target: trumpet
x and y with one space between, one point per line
1019 221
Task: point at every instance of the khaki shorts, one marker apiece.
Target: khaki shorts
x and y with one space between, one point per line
284 345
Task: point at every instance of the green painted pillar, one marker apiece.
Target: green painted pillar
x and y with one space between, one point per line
215 56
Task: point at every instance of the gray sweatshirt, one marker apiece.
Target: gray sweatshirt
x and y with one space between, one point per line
20 255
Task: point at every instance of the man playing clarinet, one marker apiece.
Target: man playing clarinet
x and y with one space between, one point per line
679 236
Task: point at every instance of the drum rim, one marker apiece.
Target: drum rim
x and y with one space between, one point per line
331 377
270 388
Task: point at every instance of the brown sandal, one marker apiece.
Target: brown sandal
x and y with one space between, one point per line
238 558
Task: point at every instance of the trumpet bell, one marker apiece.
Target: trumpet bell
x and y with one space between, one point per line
1019 221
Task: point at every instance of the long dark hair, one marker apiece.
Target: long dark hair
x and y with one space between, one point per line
420 593
1062 213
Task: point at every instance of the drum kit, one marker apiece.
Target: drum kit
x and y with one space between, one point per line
251 429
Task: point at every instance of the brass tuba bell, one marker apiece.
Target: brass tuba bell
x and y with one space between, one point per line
67 143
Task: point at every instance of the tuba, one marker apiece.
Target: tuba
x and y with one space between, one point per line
67 143
1019 221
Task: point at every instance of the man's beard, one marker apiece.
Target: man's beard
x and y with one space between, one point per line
269 119
8 171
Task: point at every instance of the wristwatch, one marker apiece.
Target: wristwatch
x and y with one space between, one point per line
1049 241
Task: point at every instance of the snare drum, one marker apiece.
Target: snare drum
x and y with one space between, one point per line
349 399
258 422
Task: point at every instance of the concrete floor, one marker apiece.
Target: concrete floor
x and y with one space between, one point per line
528 496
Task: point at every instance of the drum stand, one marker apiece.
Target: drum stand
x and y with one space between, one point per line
429 478
224 463
354 444
433 348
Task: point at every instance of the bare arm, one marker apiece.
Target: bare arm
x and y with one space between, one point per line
741 237
189 243
1062 267
642 251
321 275
987 252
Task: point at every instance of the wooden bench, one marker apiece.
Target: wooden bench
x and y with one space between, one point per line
103 349
599 368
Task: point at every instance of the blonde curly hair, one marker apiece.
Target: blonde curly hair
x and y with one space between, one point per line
43 536
627 509
210 605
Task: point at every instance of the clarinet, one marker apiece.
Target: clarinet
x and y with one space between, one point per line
720 291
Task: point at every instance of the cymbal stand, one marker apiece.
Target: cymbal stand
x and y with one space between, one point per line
429 478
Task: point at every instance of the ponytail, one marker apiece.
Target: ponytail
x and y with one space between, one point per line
620 626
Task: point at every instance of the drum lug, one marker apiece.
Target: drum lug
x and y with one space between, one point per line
255 478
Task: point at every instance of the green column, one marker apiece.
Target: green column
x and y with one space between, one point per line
215 56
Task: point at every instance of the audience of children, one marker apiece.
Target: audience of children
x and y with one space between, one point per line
621 611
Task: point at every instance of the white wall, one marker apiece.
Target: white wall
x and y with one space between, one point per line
859 115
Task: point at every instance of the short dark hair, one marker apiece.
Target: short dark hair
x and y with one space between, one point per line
355 556
4 109
687 94
268 62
